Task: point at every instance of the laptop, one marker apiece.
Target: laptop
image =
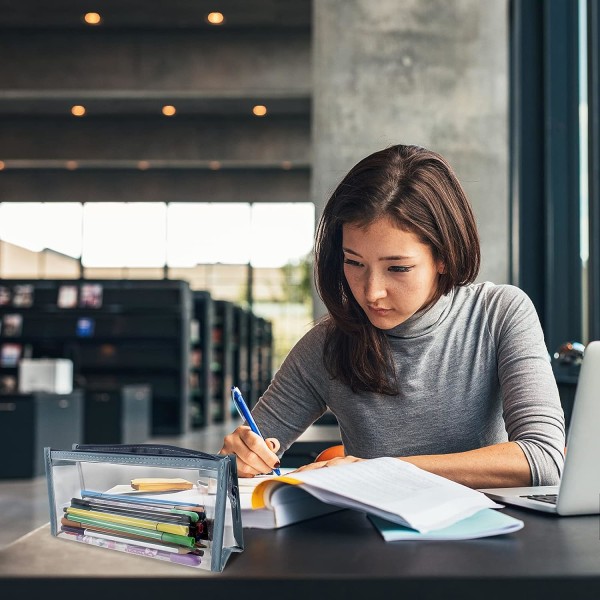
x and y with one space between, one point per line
579 489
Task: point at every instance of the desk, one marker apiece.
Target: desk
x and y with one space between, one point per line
336 556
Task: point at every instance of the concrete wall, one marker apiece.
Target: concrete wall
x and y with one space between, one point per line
427 72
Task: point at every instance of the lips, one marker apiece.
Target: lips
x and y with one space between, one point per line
378 310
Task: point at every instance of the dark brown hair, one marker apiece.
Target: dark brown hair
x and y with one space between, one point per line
419 191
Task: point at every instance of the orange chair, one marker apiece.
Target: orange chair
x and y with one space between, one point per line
331 452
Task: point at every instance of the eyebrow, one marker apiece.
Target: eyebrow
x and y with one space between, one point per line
350 251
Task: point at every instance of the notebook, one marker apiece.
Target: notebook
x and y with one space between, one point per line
579 489
484 523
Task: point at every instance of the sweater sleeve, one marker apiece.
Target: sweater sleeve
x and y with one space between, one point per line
532 411
295 397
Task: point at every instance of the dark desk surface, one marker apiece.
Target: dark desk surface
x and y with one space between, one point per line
336 556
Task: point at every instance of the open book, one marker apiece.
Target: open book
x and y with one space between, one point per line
288 504
388 488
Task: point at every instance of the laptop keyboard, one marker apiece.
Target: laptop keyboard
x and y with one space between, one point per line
549 498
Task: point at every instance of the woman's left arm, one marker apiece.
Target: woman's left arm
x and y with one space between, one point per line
532 410
499 465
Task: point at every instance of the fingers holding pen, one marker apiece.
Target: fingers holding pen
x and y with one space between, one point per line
273 444
255 456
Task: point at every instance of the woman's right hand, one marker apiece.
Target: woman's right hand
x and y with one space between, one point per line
255 456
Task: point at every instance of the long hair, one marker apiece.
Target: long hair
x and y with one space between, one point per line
418 190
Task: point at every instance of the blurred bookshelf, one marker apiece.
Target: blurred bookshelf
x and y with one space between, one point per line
181 347
117 333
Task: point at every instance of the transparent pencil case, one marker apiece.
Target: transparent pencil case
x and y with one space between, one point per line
152 500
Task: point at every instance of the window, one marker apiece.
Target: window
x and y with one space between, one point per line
554 164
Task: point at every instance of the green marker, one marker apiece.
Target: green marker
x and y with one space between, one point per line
172 538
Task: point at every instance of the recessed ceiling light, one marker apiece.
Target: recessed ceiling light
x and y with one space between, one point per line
259 110
78 110
143 165
71 165
286 164
168 110
215 18
92 18
214 165
2 165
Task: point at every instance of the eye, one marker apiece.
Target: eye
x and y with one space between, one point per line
400 269
353 263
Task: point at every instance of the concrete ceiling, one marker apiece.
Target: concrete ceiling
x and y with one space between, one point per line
160 14
164 17
146 54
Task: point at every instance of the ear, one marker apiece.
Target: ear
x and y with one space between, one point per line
441 268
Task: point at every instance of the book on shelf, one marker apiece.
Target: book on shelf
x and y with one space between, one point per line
10 354
388 488
67 296
12 325
23 295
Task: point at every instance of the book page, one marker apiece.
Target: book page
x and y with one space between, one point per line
246 487
395 490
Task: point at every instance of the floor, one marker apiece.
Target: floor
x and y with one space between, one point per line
24 502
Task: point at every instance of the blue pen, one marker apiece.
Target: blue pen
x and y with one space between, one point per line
242 408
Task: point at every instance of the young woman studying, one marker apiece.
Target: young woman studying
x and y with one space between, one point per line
414 359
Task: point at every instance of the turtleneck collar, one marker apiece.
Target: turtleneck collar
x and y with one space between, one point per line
424 321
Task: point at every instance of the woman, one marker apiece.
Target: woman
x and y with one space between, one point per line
414 359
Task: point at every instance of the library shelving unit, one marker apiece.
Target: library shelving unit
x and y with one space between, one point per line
222 355
265 354
118 333
222 361
260 357
201 359
241 349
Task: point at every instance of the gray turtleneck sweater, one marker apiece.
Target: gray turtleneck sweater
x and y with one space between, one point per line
473 370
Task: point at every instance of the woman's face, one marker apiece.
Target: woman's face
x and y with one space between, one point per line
391 273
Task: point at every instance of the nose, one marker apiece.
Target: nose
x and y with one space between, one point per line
374 288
